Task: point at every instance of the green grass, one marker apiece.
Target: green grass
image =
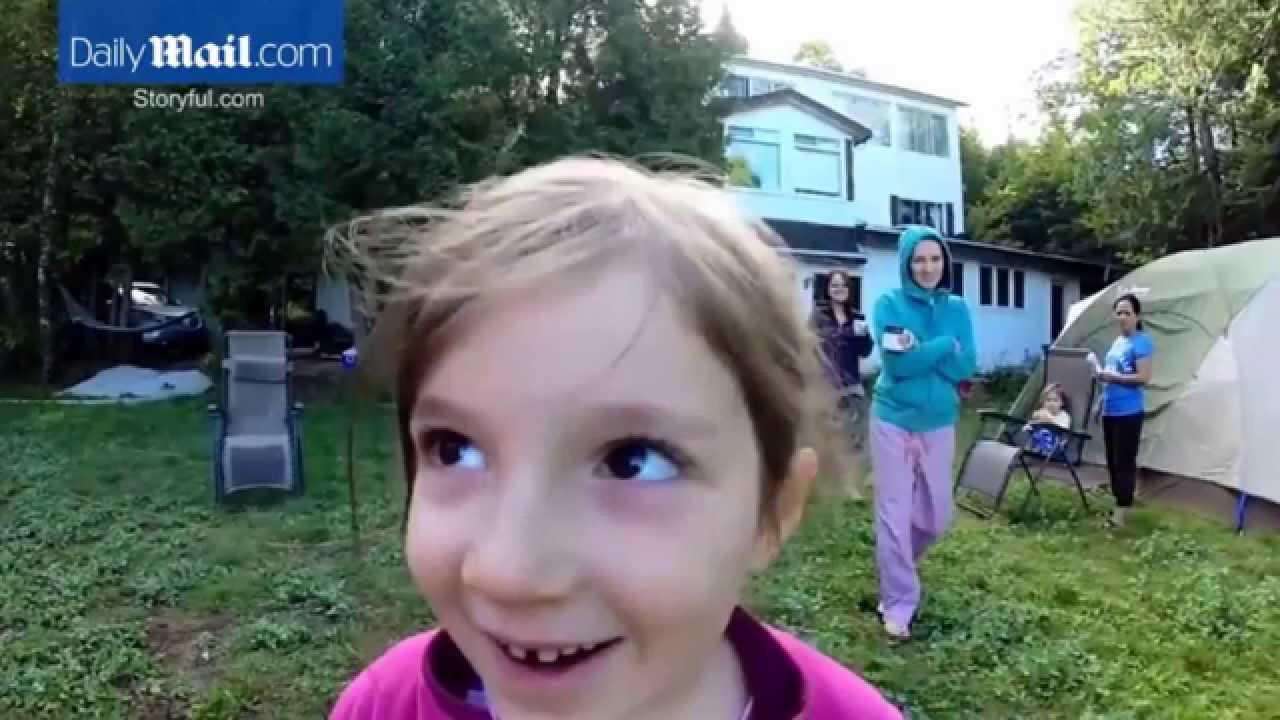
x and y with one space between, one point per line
125 593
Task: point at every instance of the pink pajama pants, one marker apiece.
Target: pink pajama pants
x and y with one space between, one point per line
913 508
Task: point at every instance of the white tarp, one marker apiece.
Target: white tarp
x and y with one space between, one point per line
127 383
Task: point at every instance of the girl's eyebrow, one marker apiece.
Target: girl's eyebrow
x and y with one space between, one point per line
641 417
434 406
653 417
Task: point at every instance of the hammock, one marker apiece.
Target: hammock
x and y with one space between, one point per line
80 316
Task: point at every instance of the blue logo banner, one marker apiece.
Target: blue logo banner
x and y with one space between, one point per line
200 42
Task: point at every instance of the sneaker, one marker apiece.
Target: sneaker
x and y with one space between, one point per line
896 632
880 609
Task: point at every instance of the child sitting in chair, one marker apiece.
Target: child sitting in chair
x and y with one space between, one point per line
1055 409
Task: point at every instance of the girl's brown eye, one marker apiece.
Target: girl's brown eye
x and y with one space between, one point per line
448 448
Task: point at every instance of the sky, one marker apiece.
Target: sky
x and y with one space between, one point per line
981 52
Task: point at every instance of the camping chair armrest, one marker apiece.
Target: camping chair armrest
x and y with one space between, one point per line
297 408
989 414
213 411
1058 429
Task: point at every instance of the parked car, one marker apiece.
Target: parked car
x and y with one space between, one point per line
150 304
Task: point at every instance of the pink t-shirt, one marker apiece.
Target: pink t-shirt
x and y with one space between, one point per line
425 677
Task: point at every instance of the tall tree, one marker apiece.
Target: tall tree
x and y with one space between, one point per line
728 35
817 53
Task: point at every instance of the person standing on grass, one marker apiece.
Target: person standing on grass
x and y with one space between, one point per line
1126 369
926 349
846 339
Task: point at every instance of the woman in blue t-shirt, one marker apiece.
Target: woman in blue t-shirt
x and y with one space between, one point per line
1126 370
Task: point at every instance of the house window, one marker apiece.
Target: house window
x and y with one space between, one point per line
957 278
938 216
753 157
874 114
816 166
1001 278
735 86
924 132
760 86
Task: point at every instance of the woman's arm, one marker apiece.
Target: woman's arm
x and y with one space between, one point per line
1142 377
921 358
962 364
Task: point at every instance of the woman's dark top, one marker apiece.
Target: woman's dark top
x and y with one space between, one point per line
841 345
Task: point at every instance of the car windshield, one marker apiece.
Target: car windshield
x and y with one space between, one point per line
146 295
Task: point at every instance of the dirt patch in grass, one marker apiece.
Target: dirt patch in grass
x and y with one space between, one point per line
187 645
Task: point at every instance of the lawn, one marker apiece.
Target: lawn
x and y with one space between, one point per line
125 593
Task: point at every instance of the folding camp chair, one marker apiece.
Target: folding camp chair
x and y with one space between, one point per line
993 459
257 438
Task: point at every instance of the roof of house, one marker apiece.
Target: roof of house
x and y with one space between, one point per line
812 238
846 79
789 96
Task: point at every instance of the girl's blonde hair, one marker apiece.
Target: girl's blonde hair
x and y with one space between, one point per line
1056 389
426 270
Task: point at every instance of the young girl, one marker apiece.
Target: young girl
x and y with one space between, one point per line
611 414
1055 409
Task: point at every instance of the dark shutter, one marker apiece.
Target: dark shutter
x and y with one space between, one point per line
1019 288
893 211
848 168
957 278
1002 287
984 284
855 291
951 220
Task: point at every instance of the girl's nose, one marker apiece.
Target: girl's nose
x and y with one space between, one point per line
524 555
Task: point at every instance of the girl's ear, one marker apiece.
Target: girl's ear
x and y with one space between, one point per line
792 498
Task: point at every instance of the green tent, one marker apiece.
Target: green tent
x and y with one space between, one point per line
1213 404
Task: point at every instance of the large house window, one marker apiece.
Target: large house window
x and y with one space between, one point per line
939 216
816 169
924 132
996 285
753 156
736 86
874 114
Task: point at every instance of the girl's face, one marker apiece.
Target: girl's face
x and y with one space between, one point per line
1126 318
838 288
928 264
585 508
1053 403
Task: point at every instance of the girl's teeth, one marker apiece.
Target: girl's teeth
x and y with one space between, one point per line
515 652
548 656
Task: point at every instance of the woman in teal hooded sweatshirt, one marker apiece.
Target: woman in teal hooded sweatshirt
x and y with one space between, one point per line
926 350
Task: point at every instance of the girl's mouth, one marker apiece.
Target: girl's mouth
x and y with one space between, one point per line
553 659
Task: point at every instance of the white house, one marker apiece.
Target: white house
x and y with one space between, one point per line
838 164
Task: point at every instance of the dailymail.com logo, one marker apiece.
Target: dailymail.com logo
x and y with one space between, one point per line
209 42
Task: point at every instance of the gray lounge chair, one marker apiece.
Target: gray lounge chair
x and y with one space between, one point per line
994 458
257 437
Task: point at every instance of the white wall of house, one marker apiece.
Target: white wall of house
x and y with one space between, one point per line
1005 335
921 166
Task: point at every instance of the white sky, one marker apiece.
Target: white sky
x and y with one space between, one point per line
981 52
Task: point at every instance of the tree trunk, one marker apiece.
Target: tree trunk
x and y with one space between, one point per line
52 211
1213 168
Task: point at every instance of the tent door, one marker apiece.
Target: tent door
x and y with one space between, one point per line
1057 311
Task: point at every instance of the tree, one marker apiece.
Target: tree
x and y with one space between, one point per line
728 36
818 53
